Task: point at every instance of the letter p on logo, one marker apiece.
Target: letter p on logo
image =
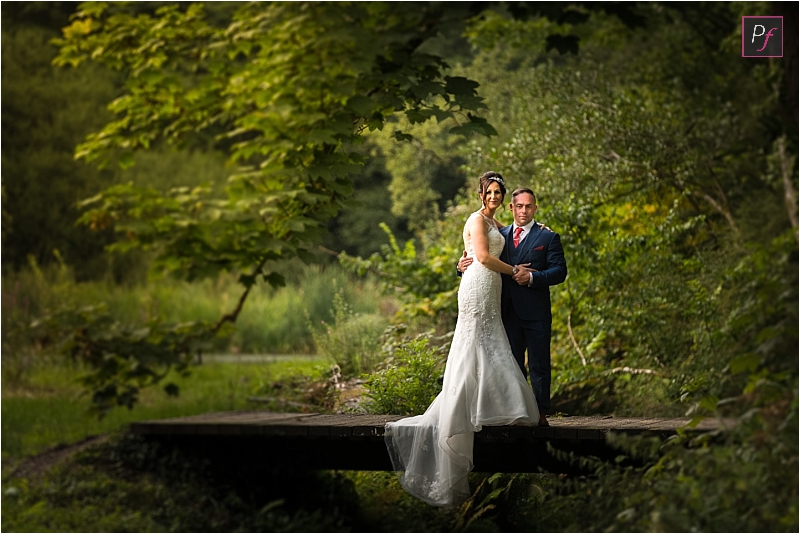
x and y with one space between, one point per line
762 36
755 29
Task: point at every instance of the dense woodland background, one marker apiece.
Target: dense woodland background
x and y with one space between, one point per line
294 178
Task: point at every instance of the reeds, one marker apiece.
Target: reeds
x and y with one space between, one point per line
273 320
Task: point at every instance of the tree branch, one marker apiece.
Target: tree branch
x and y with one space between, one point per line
329 251
790 194
633 371
232 316
574 342
682 188
716 205
569 322
598 106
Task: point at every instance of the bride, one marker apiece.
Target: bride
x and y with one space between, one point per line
483 385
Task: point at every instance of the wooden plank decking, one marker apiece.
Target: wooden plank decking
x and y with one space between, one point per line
320 441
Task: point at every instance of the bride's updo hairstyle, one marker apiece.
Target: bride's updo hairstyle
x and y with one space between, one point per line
486 180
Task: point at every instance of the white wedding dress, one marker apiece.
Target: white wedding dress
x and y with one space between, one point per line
483 385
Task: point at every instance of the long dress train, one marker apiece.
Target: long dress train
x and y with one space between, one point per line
483 385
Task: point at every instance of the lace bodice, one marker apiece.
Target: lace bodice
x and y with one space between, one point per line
496 240
479 292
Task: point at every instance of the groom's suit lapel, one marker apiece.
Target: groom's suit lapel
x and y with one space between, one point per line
509 249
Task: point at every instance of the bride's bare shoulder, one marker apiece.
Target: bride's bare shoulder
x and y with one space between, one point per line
477 222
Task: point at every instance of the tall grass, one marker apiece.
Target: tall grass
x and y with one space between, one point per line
272 320
353 340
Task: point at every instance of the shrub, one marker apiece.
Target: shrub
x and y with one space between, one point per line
353 341
408 382
740 480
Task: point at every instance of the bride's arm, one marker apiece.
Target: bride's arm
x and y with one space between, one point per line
480 243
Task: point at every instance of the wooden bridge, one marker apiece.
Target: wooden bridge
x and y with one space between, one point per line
356 442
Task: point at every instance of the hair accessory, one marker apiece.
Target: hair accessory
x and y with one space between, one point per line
496 179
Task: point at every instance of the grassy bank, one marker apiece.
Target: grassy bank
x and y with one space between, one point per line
47 408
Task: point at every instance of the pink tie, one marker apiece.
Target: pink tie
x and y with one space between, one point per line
516 236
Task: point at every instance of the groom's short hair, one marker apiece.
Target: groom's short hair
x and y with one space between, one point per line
521 190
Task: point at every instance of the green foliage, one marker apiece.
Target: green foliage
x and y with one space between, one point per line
356 230
722 486
198 236
278 320
424 280
352 340
507 502
408 382
132 485
285 90
426 172
743 479
124 360
385 506
289 136
47 111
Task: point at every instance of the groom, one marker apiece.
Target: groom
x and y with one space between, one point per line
526 296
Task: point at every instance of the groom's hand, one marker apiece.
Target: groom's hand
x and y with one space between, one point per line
464 262
523 276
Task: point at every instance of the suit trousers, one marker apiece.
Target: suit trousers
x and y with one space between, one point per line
533 336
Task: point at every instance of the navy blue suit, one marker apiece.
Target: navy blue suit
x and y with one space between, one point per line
526 310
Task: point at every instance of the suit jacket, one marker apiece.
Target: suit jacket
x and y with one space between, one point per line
542 249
